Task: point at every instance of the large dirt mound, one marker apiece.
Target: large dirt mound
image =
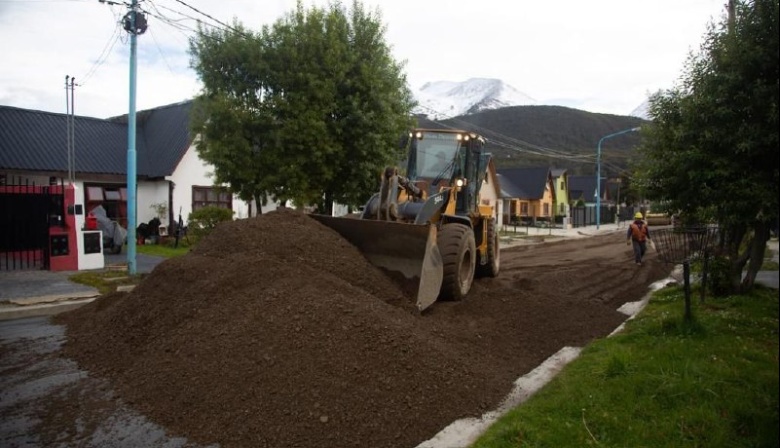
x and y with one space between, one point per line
276 332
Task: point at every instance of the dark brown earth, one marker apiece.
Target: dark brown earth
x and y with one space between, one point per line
275 332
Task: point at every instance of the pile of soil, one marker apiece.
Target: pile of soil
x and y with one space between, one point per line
276 332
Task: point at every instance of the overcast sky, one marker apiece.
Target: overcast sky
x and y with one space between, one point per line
600 55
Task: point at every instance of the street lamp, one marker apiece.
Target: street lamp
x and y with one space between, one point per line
598 171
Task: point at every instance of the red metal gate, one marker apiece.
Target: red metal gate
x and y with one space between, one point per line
26 213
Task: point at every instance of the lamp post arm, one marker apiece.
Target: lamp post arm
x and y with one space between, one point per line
624 131
598 170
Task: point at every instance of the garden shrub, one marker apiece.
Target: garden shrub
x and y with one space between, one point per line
202 221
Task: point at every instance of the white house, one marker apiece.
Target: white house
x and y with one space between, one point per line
170 175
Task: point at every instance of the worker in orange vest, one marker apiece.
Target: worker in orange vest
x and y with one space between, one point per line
638 234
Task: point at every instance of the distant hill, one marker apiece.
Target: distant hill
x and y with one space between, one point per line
557 136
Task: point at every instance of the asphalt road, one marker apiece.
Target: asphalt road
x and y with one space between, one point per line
36 388
37 385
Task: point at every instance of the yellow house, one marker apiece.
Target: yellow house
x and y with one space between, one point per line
560 178
490 193
528 194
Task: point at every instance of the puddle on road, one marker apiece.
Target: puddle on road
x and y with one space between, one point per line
45 400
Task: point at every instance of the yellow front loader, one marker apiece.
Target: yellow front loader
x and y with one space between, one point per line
430 225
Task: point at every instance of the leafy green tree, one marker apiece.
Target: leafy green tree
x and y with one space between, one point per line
711 150
310 109
226 117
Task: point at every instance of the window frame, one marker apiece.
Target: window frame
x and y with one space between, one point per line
206 196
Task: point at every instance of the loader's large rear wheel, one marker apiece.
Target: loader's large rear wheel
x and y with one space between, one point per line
459 256
490 269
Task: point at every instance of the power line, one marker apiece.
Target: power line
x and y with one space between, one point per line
175 23
206 15
498 139
514 144
159 50
179 23
103 55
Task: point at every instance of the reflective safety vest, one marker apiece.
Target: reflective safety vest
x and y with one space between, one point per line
638 232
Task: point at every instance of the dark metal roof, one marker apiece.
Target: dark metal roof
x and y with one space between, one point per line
33 140
508 189
584 187
557 172
525 182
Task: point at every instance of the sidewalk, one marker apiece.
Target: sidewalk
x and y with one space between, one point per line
520 235
40 293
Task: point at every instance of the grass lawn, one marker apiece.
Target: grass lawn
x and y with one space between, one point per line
663 382
162 250
107 281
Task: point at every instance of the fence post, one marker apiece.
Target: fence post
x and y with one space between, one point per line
687 288
681 245
704 276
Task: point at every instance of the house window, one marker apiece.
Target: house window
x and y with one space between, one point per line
563 185
112 195
211 197
94 193
546 209
113 199
524 208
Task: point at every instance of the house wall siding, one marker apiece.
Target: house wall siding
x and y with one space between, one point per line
561 195
193 171
489 192
148 193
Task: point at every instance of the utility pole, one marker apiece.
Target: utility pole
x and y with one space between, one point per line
70 125
135 24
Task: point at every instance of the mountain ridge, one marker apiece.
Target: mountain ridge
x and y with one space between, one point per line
557 136
446 99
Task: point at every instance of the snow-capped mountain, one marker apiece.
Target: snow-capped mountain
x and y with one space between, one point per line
641 111
445 99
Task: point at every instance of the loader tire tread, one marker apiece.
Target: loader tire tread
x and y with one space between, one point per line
458 253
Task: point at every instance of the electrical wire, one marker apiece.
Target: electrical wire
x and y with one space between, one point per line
493 137
159 50
209 16
104 54
507 142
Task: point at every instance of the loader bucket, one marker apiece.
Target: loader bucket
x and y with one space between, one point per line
409 249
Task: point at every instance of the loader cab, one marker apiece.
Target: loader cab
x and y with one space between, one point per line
432 156
444 158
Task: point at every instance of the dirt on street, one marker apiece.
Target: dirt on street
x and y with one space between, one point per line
275 332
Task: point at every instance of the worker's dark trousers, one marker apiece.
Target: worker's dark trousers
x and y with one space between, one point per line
640 247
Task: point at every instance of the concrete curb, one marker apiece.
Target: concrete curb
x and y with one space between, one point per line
464 432
45 309
52 298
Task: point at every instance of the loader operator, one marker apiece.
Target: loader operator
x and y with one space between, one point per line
441 163
637 235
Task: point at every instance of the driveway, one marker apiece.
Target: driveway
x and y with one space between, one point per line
26 293
144 264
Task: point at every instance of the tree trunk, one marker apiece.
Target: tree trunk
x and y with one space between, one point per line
328 203
257 201
757 251
734 237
